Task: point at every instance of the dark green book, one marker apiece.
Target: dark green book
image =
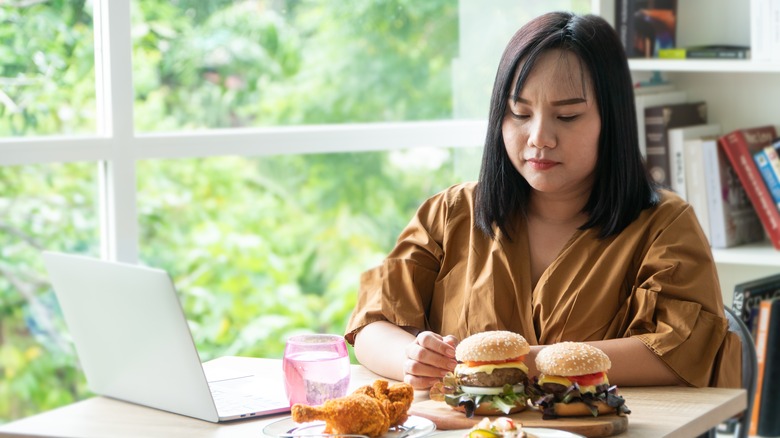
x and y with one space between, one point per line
748 296
718 52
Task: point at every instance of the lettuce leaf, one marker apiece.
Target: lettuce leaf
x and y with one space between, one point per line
504 402
546 400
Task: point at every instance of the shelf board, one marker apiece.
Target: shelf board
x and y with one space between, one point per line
704 65
754 254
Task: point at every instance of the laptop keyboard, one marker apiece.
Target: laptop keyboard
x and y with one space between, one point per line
231 403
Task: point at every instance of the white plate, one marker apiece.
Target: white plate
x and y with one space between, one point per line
543 432
286 426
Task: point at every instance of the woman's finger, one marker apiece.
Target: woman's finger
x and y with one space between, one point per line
451 340
420 382
425 356
435 342
419 369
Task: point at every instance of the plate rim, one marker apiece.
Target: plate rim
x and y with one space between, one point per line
428 423
537 429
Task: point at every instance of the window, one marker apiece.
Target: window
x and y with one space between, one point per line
47 75
42 206
257 63
267 152
269 246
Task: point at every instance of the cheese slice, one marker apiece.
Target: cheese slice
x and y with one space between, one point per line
560 380
488 368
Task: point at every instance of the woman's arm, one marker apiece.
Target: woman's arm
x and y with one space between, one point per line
395 353
633 364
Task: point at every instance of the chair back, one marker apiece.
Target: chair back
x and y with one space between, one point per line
749 369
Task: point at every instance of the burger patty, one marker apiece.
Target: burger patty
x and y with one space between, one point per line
499 377
555 388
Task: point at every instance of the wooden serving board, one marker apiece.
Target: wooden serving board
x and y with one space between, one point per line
447 418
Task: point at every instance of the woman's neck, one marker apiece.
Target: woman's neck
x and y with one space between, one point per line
558 210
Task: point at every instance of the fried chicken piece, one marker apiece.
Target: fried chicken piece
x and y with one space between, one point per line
354 414
371 410
377 390
397 397
401 396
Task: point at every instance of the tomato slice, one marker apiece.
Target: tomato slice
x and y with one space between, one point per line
588 379
493 362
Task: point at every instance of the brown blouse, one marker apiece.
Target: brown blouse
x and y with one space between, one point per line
655 281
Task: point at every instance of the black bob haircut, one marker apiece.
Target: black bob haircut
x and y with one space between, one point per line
622 187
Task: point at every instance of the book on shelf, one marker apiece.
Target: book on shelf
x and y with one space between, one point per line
733 220
765 30
672 53
676 141
695 181
658 120
739 146
748 296
642 101
767 161
772 153
714 51
646 26
765 420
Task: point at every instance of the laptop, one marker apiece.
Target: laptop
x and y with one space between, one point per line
134 344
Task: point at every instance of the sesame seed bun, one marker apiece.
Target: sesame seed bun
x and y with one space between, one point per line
491 346
571 359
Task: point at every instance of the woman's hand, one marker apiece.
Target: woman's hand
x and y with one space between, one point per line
428 359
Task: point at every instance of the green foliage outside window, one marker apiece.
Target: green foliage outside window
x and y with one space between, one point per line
259 248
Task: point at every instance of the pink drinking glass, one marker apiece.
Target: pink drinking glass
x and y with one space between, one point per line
316 368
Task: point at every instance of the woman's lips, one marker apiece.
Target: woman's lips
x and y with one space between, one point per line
540 164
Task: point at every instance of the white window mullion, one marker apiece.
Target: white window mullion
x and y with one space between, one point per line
309 139
114 89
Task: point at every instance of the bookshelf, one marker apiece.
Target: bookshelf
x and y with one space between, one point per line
739 93
703 66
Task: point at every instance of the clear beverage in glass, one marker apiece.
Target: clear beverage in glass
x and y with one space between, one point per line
316 368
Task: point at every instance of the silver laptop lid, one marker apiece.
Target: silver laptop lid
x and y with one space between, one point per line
130 334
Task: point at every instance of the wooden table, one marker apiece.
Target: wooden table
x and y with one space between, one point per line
656 412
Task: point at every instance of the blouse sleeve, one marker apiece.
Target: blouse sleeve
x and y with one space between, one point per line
676 308
400 289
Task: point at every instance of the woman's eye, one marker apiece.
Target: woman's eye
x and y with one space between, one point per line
568 118
519 116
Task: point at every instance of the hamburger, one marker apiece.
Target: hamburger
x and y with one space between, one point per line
573 382
490 378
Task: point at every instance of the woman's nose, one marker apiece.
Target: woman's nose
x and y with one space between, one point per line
542 134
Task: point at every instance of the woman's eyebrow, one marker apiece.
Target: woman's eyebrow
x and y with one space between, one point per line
562 102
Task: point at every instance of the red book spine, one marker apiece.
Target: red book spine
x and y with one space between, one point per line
739 146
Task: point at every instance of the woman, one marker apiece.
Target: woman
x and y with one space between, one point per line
564 236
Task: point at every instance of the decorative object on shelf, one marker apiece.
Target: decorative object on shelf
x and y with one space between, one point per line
715 51
658 120
654 84
739 146
646 26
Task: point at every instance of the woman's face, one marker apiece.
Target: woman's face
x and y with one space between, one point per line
551 131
